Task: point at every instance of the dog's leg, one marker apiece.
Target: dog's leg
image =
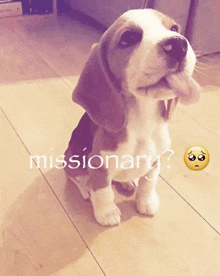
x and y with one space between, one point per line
146 196
102 196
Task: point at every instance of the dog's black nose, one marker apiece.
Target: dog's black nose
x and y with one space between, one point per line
175 47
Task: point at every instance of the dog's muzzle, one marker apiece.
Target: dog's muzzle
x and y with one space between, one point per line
175 48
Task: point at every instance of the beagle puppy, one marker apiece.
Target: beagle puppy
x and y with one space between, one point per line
129 87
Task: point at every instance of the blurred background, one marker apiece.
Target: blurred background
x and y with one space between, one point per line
199 19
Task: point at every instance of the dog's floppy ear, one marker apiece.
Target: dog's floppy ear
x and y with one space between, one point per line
97 93
168 107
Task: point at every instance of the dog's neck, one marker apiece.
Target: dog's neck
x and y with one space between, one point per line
142 109
144 114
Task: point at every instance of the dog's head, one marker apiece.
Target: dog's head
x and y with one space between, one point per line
140 54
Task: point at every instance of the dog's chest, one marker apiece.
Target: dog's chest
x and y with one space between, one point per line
147 132
146 139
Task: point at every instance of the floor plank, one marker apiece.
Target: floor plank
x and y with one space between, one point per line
199 188
43 113
175 242
51 117
18 62
37 237
206 112
54 45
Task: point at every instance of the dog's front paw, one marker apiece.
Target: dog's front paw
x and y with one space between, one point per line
148 205
109 215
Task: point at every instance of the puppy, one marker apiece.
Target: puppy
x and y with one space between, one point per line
129 87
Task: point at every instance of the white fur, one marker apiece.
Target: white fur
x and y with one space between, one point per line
105 210
147 132
146 196
145 66
145 136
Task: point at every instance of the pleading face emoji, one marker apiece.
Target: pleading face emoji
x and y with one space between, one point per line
196 158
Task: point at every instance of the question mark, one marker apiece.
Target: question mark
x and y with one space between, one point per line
171 154
158 164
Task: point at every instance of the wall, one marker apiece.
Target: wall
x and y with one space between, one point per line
203 30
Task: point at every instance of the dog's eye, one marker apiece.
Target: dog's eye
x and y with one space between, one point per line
130 38
192 157
174 28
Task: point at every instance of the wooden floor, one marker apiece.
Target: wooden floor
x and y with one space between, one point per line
47 228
